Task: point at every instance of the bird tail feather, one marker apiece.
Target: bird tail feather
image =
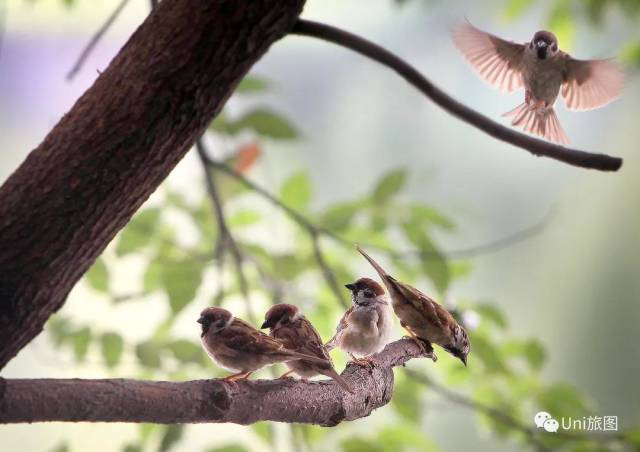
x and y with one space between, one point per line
331 373
538 121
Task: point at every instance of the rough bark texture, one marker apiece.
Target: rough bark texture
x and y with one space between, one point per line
315 402
104 158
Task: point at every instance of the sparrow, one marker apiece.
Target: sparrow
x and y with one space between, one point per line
235 345
426 321
288 326
544 71
366 326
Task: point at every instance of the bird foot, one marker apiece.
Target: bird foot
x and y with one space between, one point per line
364 362
425 347
237 377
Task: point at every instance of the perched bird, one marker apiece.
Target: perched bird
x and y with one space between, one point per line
544 71
239 347
422 317
288 326
366 326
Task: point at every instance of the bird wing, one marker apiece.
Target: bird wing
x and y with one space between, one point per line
590 84
304 338
496 60
339 329
243 337
434 313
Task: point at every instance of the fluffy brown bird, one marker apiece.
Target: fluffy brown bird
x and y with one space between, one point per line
544 71
422 317
366 326
235 345
287 325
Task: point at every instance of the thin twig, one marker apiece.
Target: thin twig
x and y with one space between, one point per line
225 239
410 74
327 273
95 39
312 228
501 416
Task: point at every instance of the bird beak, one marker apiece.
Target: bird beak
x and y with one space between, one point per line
463 358
265 324
350 286
200 320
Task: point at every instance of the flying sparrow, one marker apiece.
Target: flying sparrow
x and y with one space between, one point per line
544 71
366 326
239 347
288 326
422 317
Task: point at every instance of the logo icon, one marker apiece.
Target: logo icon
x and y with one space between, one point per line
544 420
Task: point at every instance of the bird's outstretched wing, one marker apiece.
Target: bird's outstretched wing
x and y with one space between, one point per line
496 60
590 84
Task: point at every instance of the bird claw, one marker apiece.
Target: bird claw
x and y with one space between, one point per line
364 362
425 347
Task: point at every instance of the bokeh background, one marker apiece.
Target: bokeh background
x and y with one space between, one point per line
539 258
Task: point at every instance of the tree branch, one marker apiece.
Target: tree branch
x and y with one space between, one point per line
410 74
104 158
281 400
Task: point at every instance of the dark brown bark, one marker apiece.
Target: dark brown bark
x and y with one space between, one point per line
104 158
118 400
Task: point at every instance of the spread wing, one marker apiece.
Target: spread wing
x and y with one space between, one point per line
590 84
496 60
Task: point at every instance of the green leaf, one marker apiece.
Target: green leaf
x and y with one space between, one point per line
152 279
296 191
486 352
244 218
561 22
181 279
434 263
491 313
265 123
62 447
339 216
98 276
229 448
389 185
359 444
428 215
252 84
112 346
148 354
80 340
630 54
406 398
186 351
404 436
139 232
59 328
263 430
515 8
562 399
172 435
132 447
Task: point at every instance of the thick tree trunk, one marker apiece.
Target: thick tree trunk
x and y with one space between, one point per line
118 400
104 158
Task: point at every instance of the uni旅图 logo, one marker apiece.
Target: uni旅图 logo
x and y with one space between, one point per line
547 422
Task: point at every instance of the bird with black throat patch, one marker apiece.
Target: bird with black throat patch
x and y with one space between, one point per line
426 321
290 327
367 325
544 71
235 345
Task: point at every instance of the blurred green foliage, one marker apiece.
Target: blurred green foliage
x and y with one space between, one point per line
503 382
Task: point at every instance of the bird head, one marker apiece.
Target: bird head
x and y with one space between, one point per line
459 347
365 292
281 314
214 320
544 44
